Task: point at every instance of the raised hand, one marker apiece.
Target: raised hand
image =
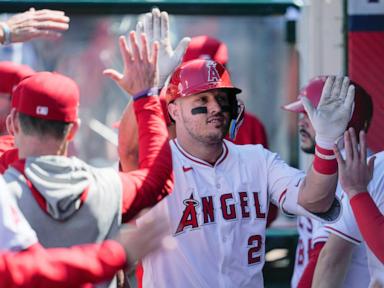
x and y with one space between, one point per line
156 27
331 117
354 172
37 24
140 70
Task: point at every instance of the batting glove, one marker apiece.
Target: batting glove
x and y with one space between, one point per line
156 26
330 118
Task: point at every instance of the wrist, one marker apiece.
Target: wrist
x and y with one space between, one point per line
325 142
5 33
325 161
154 91
352 192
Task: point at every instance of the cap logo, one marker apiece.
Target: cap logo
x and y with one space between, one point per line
213 75
42 110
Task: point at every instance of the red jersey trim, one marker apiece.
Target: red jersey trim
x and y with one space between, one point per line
343 234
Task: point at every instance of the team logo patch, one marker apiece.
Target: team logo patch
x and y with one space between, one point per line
213 74
42 110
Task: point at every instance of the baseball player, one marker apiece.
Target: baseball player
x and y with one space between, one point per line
252 131
65 200
218 207
10 74
312 235
356 178
65 267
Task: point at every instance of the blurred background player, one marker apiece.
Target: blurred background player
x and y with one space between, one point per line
360 179
10 75
312 235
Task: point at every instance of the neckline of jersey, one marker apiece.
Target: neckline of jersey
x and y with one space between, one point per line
222 157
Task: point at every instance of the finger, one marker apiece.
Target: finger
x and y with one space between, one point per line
113 74
50 25
156 24
180 49
348 147
32 9
155 53
363 146
349 100
148 27
355 146
52 17
125 51
339 157
371 166
164 33
327 89
134 46
46 34
337 87
47 11
144 49
139 28
344 88
308 107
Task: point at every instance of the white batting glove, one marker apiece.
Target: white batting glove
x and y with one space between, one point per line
156 26
331 117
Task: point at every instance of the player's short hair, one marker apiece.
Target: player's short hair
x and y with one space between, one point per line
42 127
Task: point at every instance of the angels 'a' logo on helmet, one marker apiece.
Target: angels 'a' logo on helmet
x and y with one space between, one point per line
213 75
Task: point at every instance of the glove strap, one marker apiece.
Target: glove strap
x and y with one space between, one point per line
325 161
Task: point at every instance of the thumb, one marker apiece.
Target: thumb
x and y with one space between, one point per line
113 74
308 107
180 49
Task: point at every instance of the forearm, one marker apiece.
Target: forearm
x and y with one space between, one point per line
153 180
61 267
317 192
331 267
370 222
128 140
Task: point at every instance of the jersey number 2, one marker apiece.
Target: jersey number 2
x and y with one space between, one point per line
255 243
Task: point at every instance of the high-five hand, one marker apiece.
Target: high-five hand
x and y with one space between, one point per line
331 117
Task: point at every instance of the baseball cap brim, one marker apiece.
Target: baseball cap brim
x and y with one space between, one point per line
296 107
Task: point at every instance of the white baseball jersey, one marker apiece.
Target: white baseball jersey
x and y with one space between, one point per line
312 232
217 216
304 245
15 232
347 227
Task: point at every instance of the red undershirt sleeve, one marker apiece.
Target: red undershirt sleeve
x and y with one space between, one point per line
309 271
154 179
61 267
370 222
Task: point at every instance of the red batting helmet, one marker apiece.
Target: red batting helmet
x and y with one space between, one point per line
362 114
207 48
198 76
11 74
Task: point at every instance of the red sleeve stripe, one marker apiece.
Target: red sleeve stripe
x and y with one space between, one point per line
345 236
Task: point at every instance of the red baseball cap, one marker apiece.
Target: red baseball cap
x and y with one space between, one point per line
206 48
11 74
49 96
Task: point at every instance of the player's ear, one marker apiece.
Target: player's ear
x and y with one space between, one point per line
173 110
9 124
12 122
73 129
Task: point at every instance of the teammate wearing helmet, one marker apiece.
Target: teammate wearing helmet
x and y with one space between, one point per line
312 235
217 211
10 75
